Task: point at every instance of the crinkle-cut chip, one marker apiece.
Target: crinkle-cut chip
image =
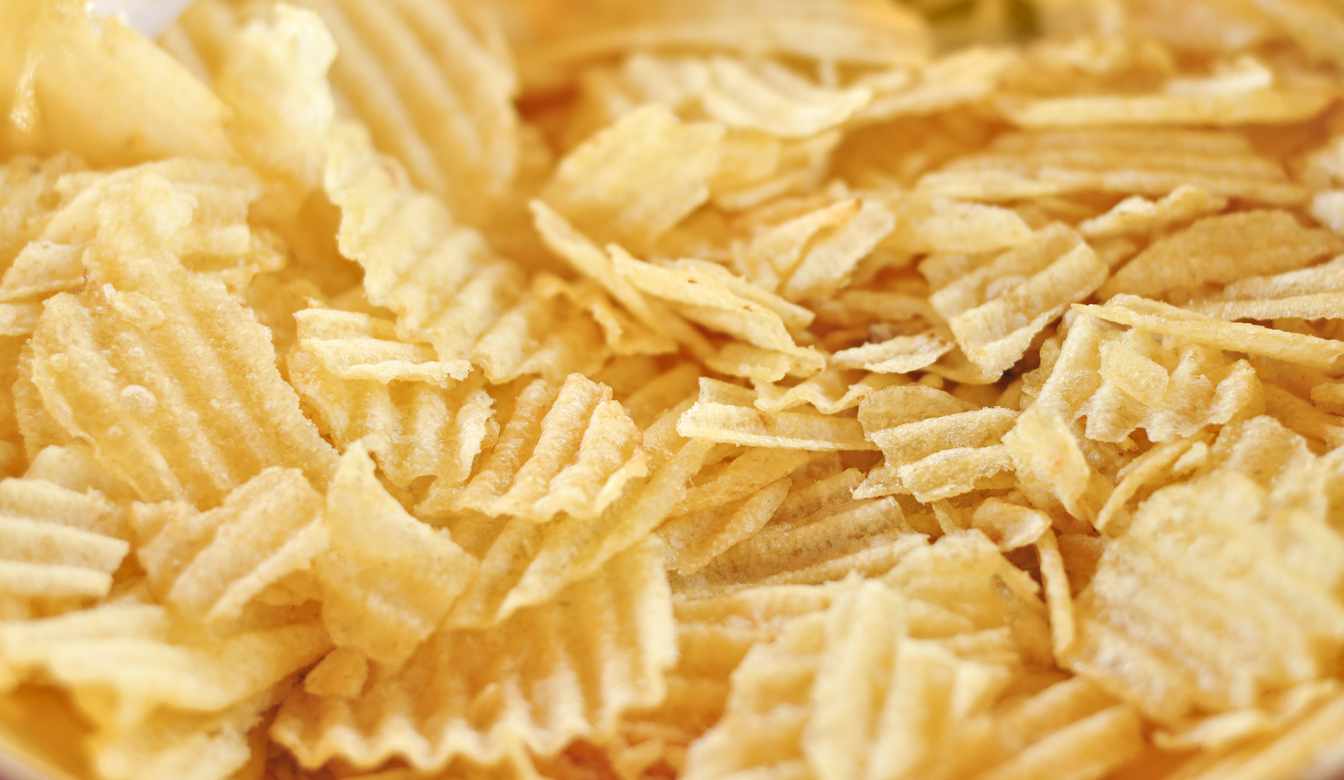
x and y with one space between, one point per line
756 168
413 429
1309 293
76 467
727 413
624 335
122 662
633 181
925 225
767 96
172 745
528 563
712 296
754 469
1200 604
189 404
830 392
899 355
1223 249
1137 215
352 345
449 119
561 670
760 365
443 281
58 548
19 319
145 106
217 240
1303 417
655 396
568 449
274 79
1121 161
387 579
1307 747
208 566
30 198
958 78
342 673
1052 469
1058 598
551 44
1157 317
586 258
1318 27
1276 711
932 447
1010 526
847 693
1266 107
996 310
812 256
694 539
1146 473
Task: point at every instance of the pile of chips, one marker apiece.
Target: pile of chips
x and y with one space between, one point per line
425 389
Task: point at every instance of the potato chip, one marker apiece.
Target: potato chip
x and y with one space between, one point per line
1222 249
768 97
565 449
899 355
1010 526
830 392
695 538
274 117
1138 215
357 346
61 547
1179 655
1148 162
548 674
190 404
1164 319
926 225
856 31
387 580
1317 27
727 413
75 467
1270 106
123 665
755 168
671 163
996 310
208 566
30 199
473 304
144 107
1309 293
958 78
414 429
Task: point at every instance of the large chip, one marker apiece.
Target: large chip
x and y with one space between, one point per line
189 404
1220 250
728 413
996 310
60 547
1309 293
568 449
631 183
549 674
209 566
387 579
1200 605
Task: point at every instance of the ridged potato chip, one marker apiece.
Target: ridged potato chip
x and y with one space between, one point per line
727 413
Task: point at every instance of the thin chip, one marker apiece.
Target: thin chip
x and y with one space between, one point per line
768 97
1310 293
1138 215
996 310
830 392
727 413
899 355
357 346
209 566
1271 107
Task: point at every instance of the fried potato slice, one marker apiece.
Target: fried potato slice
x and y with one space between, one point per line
207 567
352 345
61 547
551 673
1138 215
1309 293
728 413
414 429
190 404
1161 318
443 281
935 446
1122 161
30 199
997 309
386 579
830 392
123 663
1220 250
696 538
1157 626
632 182
568 449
